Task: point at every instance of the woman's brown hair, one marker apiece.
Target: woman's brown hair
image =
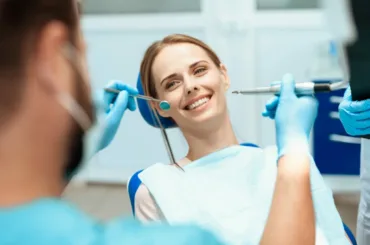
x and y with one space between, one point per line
154 49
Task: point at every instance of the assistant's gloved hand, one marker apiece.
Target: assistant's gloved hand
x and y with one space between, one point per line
116 105
355 115
294 117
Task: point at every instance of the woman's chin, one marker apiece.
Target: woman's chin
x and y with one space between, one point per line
204 119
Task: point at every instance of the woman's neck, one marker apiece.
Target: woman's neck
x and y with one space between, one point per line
207 141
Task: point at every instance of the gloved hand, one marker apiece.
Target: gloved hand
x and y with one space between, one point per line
116 105
355 115
294 117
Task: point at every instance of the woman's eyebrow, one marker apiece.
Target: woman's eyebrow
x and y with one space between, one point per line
168 77
175 74
196 63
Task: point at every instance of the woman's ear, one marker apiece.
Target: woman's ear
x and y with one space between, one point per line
225 76
155 106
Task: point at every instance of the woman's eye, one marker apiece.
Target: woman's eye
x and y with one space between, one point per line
170 84
199 70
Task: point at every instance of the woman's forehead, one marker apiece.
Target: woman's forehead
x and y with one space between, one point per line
178 56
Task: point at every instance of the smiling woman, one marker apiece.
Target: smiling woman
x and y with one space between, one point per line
224 187
189 75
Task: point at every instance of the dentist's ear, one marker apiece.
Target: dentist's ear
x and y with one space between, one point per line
47 58
225 76
69 52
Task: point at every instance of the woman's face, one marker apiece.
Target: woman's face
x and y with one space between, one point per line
187 78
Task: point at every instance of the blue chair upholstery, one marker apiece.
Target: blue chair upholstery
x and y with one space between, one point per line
350 234
133 184
147 114
146 111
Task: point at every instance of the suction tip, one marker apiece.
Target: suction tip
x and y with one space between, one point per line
235 92
164 105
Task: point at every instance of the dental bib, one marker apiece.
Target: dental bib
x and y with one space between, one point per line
230 192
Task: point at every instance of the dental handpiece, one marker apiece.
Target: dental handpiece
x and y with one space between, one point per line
305 88
164 105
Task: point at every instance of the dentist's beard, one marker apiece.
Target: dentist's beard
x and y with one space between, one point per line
75 152
75 149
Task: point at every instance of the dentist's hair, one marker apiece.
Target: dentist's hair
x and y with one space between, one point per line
21 25
151 53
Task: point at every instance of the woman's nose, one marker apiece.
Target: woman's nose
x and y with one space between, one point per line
191 89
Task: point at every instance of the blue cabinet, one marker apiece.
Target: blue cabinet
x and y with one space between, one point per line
335 152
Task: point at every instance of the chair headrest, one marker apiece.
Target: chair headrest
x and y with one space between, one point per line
147 112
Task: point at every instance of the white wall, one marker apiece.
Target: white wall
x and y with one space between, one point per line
140 6
280 51
286 4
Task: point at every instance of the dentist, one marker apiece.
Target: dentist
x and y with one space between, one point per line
49 127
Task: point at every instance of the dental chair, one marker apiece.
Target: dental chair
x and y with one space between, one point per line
134 181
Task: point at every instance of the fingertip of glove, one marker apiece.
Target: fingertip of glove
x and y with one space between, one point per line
133 107
122 96
287 85
134 91
113 83
266 114
272 102
288 77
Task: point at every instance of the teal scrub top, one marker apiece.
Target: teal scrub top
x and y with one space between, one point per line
55 222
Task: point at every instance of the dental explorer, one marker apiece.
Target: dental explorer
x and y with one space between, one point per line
164 105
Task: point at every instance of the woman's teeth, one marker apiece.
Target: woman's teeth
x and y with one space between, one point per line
197 103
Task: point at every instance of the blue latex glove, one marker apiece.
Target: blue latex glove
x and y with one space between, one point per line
116 105
294 117
355 115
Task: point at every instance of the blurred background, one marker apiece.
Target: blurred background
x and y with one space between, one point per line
258 41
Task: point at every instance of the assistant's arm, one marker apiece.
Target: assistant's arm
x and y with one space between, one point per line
291 219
